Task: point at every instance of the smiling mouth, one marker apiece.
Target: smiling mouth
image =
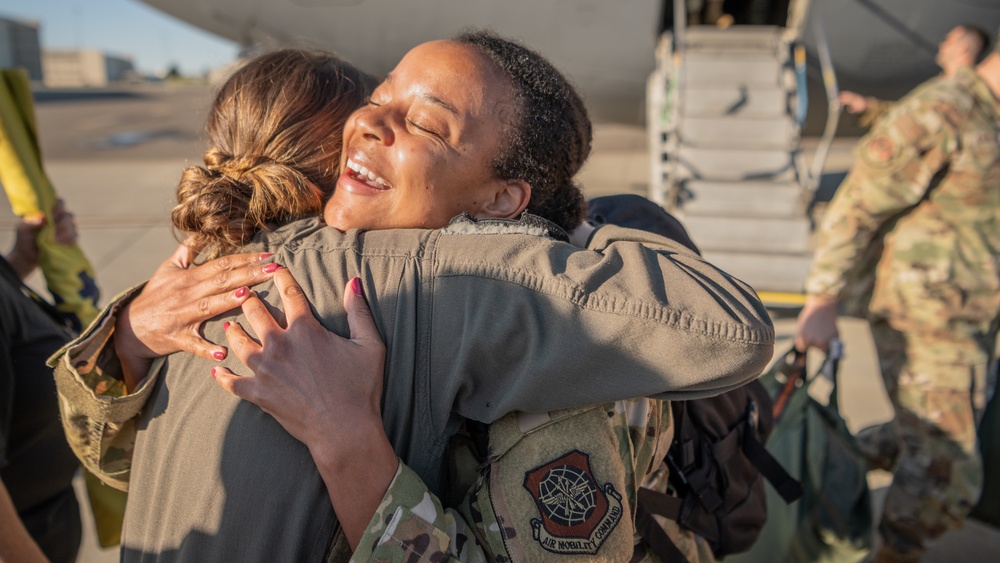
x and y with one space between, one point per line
362 174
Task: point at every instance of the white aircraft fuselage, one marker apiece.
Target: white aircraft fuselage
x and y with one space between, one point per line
883 47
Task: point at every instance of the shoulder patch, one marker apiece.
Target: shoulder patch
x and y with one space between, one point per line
879 151
577 514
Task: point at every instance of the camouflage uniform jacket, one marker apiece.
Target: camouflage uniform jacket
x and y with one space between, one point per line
927 178
555 487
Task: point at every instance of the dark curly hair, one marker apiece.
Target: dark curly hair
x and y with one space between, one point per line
550 140
274 136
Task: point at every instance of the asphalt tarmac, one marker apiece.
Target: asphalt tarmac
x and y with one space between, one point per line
115 157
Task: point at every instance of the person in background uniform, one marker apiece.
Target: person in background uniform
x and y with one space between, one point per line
39 514
927 181
961 48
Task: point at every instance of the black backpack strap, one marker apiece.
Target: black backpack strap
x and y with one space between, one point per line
648 503
787 486
690 450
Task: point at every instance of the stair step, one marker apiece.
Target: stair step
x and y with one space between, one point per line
749 234
714 69
742 199
775 133
736 164
765 272
742 38
737 101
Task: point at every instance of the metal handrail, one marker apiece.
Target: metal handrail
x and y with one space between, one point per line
833 107
676 100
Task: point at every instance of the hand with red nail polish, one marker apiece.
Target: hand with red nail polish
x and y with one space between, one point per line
166 316
330 411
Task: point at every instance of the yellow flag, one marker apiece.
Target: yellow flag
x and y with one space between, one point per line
68 274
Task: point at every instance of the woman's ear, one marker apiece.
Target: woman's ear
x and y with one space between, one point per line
509 200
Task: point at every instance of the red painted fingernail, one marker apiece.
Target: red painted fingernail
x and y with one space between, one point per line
213 372
225 325
264 256
240 292
272 267
356 286
219 355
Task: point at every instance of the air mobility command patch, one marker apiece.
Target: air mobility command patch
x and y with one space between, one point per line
577 514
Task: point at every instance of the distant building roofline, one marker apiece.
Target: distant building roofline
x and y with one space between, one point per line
30 23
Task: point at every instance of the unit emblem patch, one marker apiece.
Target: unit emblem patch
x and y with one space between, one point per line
577 514
879 151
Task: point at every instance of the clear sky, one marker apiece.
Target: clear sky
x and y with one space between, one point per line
153 39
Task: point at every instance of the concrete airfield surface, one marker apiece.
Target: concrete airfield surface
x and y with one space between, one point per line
116 155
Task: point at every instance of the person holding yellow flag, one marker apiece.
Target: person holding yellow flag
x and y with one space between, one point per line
39 514
68 275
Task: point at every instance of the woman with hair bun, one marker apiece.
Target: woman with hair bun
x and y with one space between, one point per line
467 291
274 136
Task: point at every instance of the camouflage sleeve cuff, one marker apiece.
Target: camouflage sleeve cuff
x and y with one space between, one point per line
88 373
823 284
876 109
99 417
405 525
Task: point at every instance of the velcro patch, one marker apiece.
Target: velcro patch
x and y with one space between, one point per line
577 514
879 151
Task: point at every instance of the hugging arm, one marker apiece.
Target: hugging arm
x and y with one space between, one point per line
637 304
634 315
165 316
711 315
387 512
337 417
105 376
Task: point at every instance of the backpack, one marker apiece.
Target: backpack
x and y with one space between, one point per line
717 458
717 465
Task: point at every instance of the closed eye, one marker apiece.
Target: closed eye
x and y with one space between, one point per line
422 128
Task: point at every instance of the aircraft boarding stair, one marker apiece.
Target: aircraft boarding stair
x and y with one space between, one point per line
725 135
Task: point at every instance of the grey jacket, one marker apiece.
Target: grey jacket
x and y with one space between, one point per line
477 324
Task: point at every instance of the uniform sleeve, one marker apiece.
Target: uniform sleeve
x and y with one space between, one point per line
571 320
557 487
895 166
98 415
412 525
876 110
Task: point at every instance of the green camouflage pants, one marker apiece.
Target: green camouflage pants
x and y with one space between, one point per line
936 383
